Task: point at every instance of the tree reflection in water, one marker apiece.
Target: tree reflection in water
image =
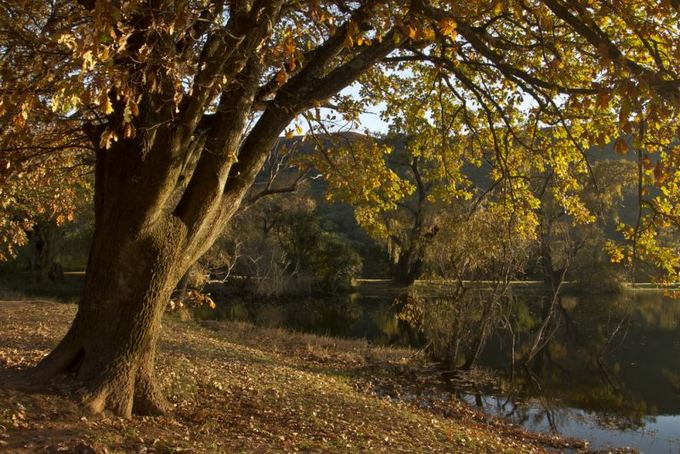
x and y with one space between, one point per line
616 358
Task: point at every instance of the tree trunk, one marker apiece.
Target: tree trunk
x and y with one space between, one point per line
111 343
46 240
482 338
407 269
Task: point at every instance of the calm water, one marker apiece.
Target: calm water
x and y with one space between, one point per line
610 374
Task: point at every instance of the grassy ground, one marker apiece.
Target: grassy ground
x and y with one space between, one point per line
238 388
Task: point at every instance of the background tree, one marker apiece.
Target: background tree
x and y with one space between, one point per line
567 248
430 162
183 101
39 195
477 254
280 246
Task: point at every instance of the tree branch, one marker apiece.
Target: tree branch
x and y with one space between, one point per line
599 39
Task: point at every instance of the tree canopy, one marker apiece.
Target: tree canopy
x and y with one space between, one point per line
504 71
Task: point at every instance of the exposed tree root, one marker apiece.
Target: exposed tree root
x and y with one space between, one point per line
125 387
114 395
62 359
148 399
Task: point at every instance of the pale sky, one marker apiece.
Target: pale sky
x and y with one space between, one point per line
370 120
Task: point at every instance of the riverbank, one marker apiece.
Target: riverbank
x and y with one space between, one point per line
238 388
443 288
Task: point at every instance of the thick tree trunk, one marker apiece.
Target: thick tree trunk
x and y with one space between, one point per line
111 343
406 270
144 241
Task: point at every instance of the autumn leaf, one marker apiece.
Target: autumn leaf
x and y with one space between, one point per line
412 32
621 146
660 174
448 27
281 77
105 103
107 138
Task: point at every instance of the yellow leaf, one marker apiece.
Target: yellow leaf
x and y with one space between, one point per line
134 109
448 27
411 32
290 47
129 131
105 102
281 77
88 61
107 138
349 42
660 174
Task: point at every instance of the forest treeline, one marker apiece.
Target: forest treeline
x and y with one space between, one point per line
294 236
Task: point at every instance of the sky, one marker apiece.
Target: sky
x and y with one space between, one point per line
369 120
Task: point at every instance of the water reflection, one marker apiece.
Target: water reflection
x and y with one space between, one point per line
374 319
609 374
609 371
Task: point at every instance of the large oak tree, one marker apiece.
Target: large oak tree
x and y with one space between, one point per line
182 101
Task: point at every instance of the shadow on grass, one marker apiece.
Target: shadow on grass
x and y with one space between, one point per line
45 418
18 383
14 379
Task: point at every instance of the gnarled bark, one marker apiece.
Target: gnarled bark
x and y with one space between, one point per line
111 343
